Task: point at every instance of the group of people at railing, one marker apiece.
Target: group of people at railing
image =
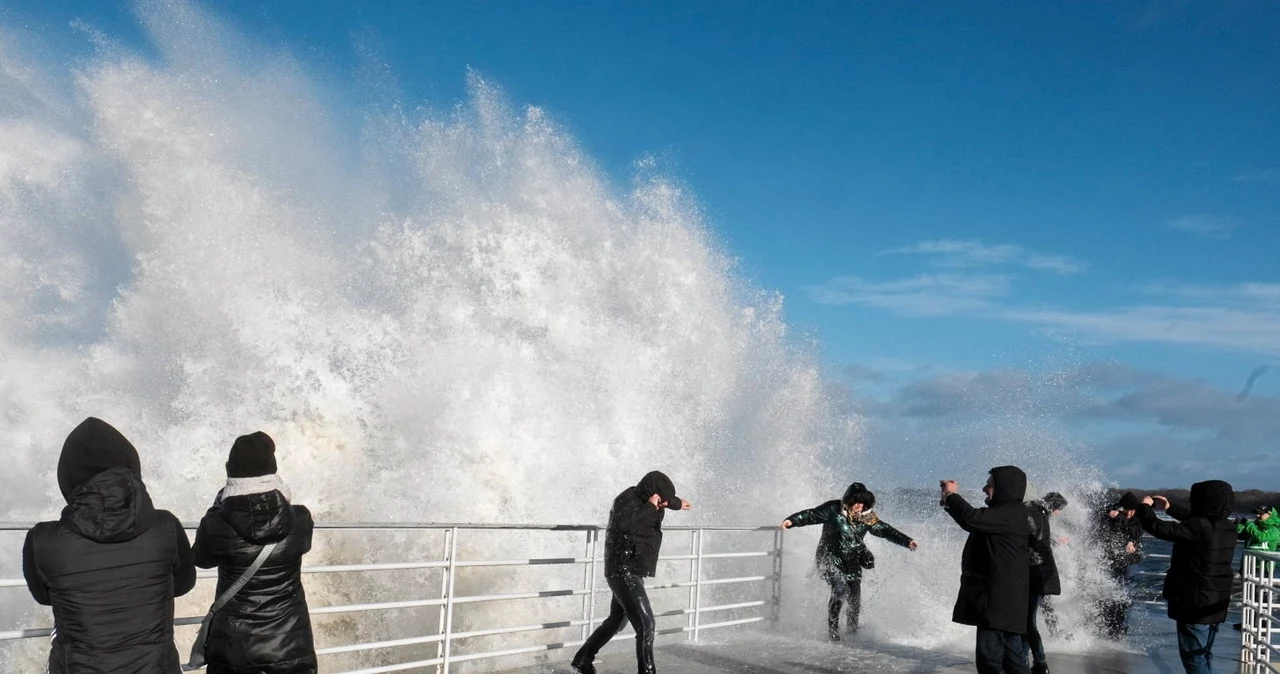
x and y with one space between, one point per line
112 565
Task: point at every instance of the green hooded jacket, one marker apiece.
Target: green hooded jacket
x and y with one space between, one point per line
1261 535
841 549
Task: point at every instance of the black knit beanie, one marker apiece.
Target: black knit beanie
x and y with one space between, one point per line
252 455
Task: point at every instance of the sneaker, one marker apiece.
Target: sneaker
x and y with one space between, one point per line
1040 668
1239 627
583 666
833 635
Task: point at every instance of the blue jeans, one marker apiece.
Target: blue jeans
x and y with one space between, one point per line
1195 645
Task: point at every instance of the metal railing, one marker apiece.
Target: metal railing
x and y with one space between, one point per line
1259 602
752 609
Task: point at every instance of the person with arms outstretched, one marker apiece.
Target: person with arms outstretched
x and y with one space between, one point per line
842 554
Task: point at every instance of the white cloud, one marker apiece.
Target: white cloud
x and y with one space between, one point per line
1207 226
961 254
924 295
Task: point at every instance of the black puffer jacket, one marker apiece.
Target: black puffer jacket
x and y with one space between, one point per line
1198 585
995 566
1044 569
633 538
111 566
266 628
1115 534
842 550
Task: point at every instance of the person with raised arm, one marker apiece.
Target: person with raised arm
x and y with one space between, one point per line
842 554
632 541
995 569
111 565
1197 587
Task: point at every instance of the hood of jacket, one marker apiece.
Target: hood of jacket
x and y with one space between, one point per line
1212 499
258 518
1009 485
91 448
656 483
110 507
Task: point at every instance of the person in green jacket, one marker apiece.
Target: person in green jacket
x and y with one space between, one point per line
842 553
1262 533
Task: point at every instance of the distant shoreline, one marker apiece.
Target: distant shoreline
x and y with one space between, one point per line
1246 500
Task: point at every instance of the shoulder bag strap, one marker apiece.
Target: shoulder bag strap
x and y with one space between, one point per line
244 578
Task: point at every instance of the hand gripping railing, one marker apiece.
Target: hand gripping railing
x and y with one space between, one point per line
449 600
1259 603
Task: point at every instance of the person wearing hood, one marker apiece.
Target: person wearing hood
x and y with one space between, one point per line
111 566
1044 572
1197 587
265 628
632 541
842 554
995 569
1120 535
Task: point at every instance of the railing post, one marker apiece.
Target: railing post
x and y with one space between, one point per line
444 594
451 574
777 575
697 588
693 590
589 601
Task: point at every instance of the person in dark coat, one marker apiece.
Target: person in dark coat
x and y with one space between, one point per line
631 545
995 569
1044 572
265 628
1198 584
842 554
1120 536
111 566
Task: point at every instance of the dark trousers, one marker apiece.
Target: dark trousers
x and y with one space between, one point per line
999 652
846 592
1195 646
1113 612
1034 644
630 604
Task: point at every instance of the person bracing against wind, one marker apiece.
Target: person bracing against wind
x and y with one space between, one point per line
842 554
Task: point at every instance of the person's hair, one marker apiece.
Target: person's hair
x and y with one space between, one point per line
1054 501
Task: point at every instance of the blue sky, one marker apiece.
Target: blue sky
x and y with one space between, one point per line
958 200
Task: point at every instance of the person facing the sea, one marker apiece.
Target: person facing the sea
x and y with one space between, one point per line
1198 584
111 565
1044 572
265 628
995 569
842 554
632 541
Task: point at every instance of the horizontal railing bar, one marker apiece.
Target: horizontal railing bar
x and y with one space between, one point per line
395 526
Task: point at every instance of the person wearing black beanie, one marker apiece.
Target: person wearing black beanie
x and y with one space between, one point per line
267 629
112 565
842 554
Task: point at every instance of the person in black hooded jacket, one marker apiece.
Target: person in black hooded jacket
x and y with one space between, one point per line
1198 584
265 628
1120 535
842 551
111 566
632 541
995 576
1044 572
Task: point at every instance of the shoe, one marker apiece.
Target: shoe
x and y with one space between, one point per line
833 635
1239 627
1040 668
582 665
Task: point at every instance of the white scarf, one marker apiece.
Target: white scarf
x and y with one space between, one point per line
263 484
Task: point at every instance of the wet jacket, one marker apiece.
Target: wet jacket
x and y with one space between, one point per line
265 628
995 566
842 549
1198 584
1044 569
111 566
634 535
1258 535
1115 534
